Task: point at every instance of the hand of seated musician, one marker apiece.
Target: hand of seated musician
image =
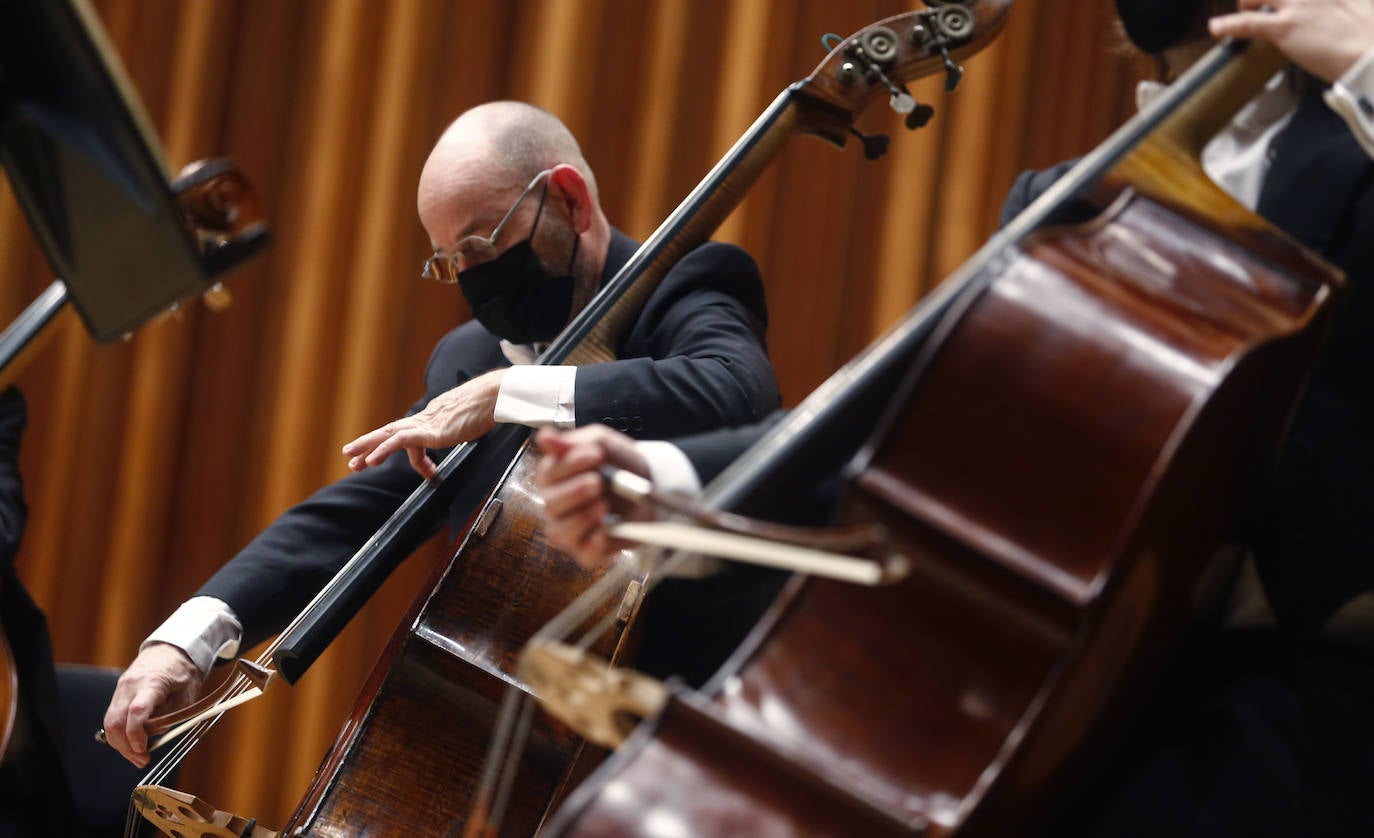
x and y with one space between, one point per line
576 501
161 679
459 415
1326 37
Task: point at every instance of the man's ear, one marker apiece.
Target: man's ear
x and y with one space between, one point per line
568 186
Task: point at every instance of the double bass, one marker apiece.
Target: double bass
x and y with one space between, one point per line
1080 415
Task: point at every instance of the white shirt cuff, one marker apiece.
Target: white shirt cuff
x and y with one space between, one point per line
669 468
671 471
205 628
537 396
1352 96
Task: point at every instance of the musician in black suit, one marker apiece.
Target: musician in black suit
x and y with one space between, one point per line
511 207
1269 730
33 788
1269 727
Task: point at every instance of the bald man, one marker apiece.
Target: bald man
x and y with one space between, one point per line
511 209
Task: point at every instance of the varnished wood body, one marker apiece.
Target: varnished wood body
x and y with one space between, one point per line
1076 443
753 789
413 750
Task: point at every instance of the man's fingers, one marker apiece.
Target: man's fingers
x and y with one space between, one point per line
367 441
385 449
140 710
583 534
420 461
575 499
594 551
407 437
117 717
576 460
1245 25
374 447
132 732
114 729
594 434
567 497
161 678
551 441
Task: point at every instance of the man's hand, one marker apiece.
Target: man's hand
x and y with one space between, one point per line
161 679
575 500
460 415
1326 37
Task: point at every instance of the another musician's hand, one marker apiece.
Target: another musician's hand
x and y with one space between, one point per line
459 415
1326 37
161 679
575 499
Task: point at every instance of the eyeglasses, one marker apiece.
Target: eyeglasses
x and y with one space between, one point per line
445 265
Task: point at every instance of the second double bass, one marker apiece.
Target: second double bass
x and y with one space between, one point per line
1080 414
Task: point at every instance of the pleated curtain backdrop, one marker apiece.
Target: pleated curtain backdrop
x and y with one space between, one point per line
149 462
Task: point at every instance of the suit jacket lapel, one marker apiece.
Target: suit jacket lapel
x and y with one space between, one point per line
1318 172
621 249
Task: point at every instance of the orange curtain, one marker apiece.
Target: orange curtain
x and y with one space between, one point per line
149 462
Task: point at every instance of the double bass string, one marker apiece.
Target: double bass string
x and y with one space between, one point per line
184 744
509 737
167 764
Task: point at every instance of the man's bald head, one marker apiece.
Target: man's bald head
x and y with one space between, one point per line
474 176
499 147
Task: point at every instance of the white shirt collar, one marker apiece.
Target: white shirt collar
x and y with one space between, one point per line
1271 105
1237 158
521 353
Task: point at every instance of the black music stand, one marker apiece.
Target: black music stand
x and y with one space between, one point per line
91 178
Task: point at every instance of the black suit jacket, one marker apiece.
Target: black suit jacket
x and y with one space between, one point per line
1313 534
25 626
35 787
695 359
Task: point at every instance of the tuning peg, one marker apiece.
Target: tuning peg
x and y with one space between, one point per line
875 145
953 72
919 116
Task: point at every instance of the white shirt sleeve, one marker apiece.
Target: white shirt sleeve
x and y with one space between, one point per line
205 628
671 471
669 468
537 396
1352 96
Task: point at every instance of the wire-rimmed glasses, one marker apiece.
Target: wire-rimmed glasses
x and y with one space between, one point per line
444 265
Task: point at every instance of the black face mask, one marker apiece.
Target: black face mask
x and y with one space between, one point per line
515 298
1156 25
